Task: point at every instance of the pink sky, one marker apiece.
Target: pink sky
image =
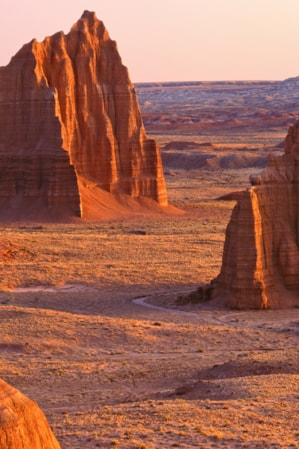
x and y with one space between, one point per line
173 40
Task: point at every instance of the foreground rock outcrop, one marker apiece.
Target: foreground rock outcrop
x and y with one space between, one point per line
71 134
22 424
260 267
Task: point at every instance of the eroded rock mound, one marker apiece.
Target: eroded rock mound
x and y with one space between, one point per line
260 266
71 129
22 424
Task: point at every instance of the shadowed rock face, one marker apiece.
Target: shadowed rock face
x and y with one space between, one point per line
70 122
22 424
260 265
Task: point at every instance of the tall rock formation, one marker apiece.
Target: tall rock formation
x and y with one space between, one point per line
71 129
260 267
22 424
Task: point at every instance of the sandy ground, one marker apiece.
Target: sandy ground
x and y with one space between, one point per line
123 375
109 371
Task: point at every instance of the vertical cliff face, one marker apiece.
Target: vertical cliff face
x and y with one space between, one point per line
70 121
260 265
22 424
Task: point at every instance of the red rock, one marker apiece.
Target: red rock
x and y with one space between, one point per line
69 118
22 424
260 267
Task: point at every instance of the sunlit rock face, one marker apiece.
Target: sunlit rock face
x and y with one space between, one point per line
22 424
70 124
260 267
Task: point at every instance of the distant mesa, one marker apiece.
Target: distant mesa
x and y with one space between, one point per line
183 145
260 267
189 155
72 141
22 424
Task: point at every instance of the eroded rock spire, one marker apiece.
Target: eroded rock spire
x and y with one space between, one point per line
70 127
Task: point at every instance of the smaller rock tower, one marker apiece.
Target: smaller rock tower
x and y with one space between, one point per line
260 267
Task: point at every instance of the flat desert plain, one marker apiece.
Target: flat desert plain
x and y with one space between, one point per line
91 330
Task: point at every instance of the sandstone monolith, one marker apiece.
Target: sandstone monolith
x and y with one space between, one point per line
71 134
260 267
22 423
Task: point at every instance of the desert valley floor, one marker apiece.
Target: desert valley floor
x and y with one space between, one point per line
91 329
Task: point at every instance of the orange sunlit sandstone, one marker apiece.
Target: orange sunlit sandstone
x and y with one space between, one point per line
72 139
22 424
260 267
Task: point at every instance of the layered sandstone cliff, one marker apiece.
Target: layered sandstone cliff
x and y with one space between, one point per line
70 126
260 267
22 424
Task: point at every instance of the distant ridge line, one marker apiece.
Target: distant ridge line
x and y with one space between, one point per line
201 83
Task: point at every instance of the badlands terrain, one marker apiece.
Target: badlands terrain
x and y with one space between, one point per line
91 327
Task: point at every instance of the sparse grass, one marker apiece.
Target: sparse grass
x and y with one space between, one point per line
109 370
106 371
177 251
